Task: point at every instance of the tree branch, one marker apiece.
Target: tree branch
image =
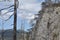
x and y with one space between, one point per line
7 7
10 17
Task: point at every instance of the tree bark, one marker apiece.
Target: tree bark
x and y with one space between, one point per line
15 20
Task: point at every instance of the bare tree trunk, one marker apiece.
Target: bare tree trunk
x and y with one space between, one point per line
2 36
15 20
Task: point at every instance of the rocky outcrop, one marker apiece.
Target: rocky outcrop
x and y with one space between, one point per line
48 28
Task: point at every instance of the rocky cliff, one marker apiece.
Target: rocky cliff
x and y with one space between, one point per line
48 27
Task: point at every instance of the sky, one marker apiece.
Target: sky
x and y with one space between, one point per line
25 13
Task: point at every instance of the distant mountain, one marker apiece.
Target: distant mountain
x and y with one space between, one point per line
8 34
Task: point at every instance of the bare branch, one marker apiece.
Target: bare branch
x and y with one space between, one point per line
10 17
7 12
6 8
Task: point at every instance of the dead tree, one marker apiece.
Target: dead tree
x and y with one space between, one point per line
15 20
22 31
2 36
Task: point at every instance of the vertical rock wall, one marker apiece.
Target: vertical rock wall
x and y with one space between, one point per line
49 25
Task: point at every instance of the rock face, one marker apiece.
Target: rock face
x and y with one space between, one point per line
49 25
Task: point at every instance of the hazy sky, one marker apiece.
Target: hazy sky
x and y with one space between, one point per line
26 11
